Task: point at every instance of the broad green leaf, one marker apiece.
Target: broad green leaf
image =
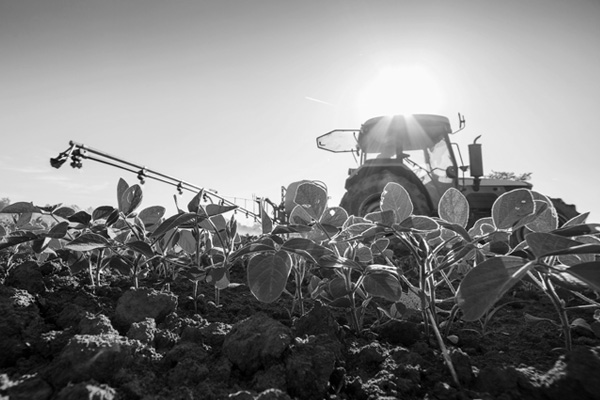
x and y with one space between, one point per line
561 277
58 231
465 252
2 231
352 219
485 284
306 248
411 301
194 204
216 209
232 227
482 227
151 216
337 288
174 221
39 245
364 254
322 232
102 212
113 217
374 232
285 229
49 208
219 277
572 259
353 231
63 212
300 216
268 275
122 187
217 223
120 236
80 217
588 272
578 230
545 218
498 243
265 221
131 199
187 241
16 237
251 249
584 248
312 197
511 207
378 247
395 198
456 228
383 284
19 208
543 244
141 247
419 223
334 216
453 207
386 218
24 220
340 247
577 220
88 242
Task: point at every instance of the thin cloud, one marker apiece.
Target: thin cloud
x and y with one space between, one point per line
319 101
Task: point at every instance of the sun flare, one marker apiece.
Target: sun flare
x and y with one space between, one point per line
400 90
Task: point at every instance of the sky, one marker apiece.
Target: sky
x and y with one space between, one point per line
230 94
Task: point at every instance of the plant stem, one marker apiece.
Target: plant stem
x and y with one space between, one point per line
562 312
444 349
195 294
99 265
91 272
351 296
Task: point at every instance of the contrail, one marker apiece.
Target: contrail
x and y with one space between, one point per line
318 101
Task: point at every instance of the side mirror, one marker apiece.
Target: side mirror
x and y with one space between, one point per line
476 159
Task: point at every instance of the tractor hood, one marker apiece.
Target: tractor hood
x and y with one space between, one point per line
505 183
402 132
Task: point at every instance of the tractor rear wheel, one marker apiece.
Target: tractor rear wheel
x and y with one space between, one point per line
364 197
565 211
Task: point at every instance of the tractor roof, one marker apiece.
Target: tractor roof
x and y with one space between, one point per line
411 132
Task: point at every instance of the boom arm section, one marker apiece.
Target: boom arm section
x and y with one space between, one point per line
78 152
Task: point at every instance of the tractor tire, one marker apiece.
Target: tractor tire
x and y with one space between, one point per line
565 211
364 197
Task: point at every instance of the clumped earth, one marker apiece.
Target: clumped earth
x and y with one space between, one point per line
63 339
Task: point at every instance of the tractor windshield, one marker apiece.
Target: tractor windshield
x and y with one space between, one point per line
430 165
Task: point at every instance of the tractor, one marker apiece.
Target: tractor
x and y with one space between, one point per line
415 151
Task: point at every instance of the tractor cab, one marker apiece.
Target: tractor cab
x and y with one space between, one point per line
416 145
414 151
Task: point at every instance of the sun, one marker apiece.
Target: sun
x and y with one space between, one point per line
408 89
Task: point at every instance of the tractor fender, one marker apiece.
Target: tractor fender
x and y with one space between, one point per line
564 211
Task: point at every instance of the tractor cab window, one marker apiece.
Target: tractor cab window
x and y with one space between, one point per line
439 160
430 166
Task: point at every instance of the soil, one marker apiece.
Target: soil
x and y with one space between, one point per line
61 338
